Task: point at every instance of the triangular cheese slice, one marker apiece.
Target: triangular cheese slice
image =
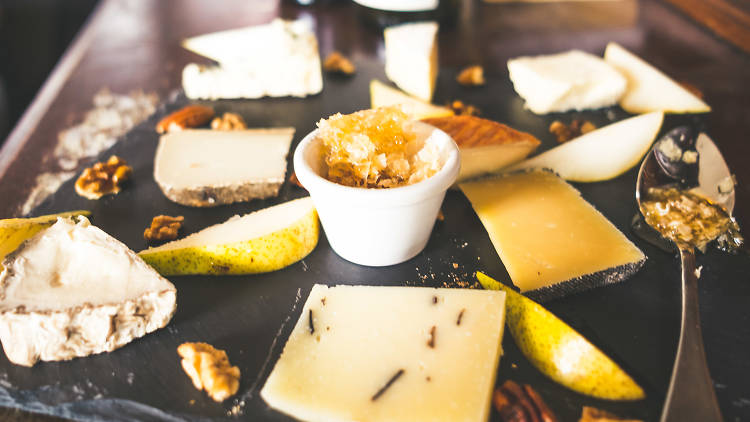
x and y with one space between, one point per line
73 290
382 95
411 57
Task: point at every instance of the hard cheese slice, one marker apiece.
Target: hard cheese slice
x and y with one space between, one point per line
204 168
411 57
390 354
551 241
382 95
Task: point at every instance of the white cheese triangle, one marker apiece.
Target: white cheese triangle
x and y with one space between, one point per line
411 57
73 290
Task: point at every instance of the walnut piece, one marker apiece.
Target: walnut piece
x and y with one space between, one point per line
576 128
336 62
228 121
193 115
592 414
103 178
521 404
209 369
471 76
462 109
163 227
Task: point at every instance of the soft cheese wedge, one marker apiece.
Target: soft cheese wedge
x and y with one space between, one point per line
277 59
382 95
485 146
648 88
361 353
72 290
262 241
560 352
572 80
411 57
551 241
204 168
602 154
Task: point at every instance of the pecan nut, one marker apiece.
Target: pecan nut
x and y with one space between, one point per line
193 115
515 403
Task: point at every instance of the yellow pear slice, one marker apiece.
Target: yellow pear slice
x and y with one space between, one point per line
648 88
13 231
602 154
262 241
382 95
559 352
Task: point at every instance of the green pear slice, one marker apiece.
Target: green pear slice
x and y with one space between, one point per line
382 95
559 352
602 154
262 241
648 88
13 231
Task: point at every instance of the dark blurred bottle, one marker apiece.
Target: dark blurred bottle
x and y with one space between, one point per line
383 13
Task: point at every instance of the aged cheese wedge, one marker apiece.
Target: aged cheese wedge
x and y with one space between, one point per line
262 241
72 290
278 59
382 95
411 57
551 241
205 168
573 80
361 353
485 146
648 88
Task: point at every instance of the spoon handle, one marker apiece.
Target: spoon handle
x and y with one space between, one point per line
691 394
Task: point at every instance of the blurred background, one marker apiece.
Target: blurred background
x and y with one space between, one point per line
33 36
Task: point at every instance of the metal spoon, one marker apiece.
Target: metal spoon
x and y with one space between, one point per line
691 394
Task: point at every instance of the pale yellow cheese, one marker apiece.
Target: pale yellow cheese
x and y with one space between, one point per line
411 57
546 234
382 95
362 336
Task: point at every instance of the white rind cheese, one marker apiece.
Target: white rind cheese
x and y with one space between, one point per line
276 60
72 290
411 57
203 168
572 80
443 346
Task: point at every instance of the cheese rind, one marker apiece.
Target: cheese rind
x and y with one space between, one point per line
204 168
551 241
411 57
72 290
277 59
362 336
648 88
573 80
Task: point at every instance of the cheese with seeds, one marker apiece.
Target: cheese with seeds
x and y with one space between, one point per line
72 290
203 168
390 354
411 57
551 241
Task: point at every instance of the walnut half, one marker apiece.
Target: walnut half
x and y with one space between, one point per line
228 121
163 227
103 178
209 369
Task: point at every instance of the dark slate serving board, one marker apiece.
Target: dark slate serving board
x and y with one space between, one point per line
635 322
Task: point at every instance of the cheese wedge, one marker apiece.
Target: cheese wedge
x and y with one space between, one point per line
411 57
485 146
572 80
390 354
648 88
278 59
72 290
551 241
205 168
259 242
382 95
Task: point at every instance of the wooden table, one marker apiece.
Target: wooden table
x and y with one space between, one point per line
128 45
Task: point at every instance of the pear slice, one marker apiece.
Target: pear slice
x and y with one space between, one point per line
602 154
13 231
262 241
648 88
559 352
382 95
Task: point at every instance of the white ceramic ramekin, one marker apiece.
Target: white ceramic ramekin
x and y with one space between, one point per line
377 227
